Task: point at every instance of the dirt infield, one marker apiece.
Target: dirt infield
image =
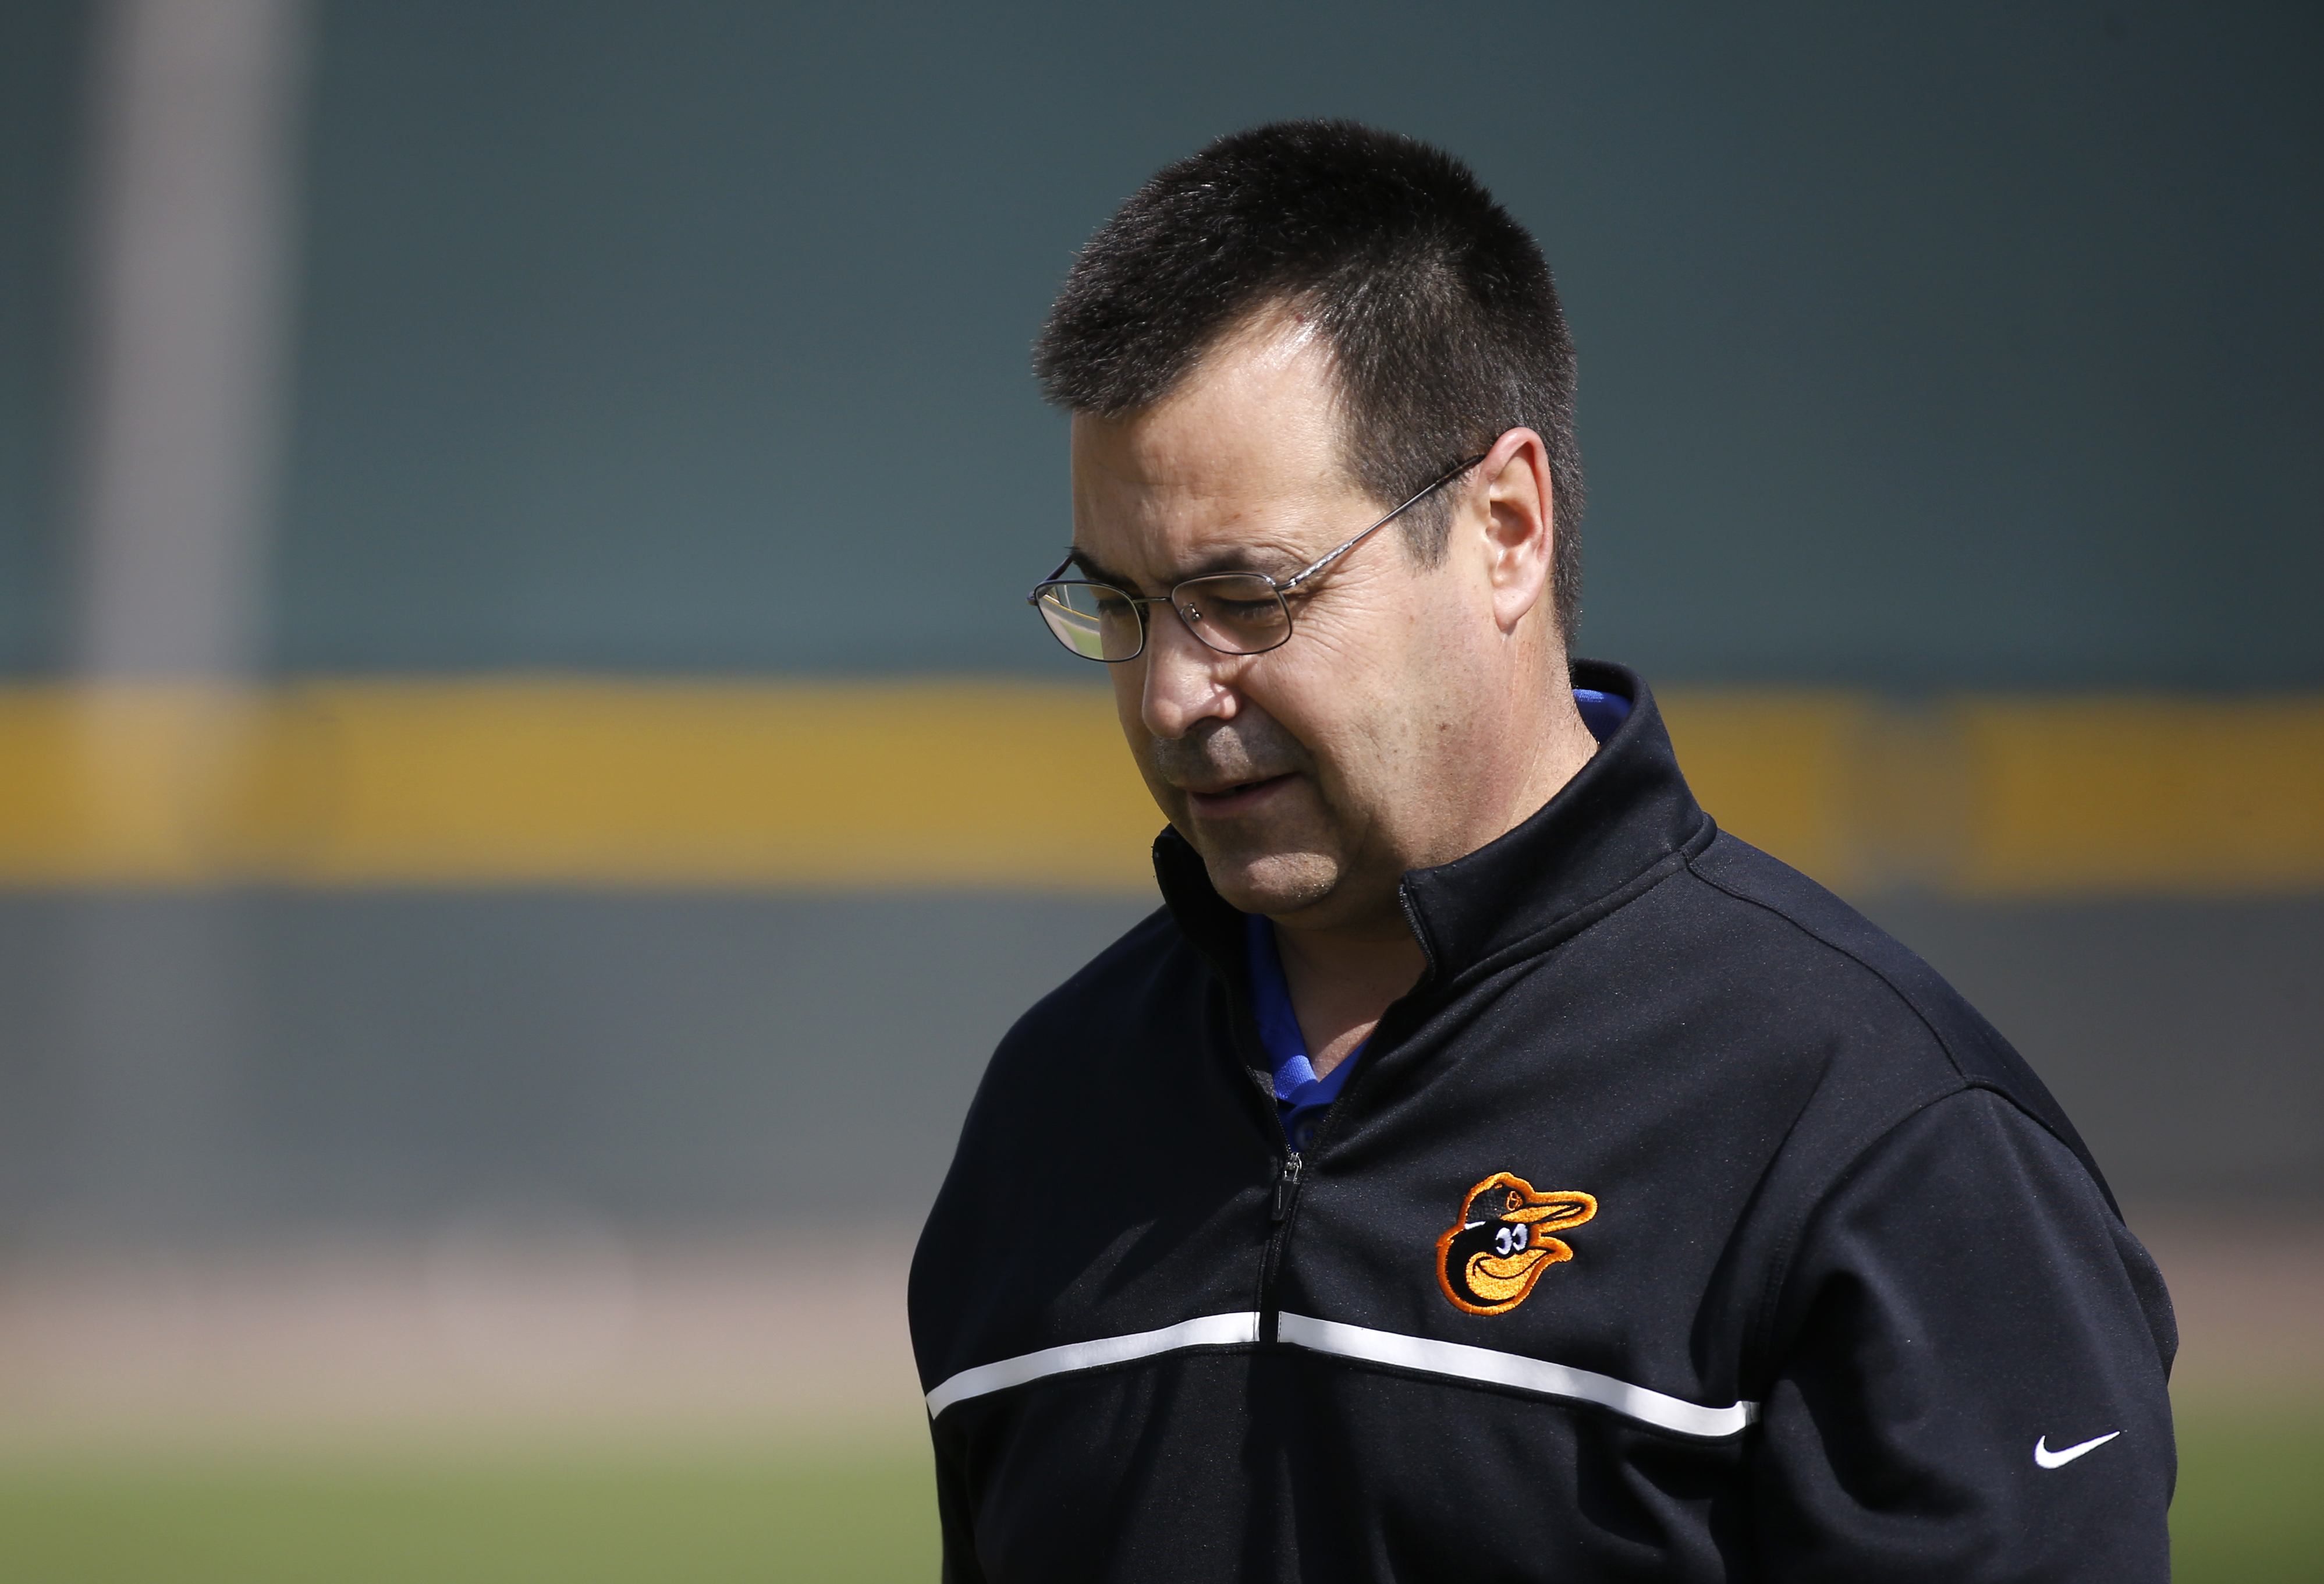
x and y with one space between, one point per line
573 1336
2249 1290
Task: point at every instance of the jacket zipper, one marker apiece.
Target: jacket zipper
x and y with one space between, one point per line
1287 1195
1287 1175
1286 1183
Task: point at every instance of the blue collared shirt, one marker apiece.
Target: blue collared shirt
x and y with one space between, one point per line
1301 1098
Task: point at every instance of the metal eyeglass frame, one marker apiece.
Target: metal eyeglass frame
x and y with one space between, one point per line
1280 588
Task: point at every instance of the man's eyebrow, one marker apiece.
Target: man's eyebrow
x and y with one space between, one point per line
1096 572
1226 559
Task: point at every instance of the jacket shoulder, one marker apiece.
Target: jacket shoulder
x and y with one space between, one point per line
1972 1047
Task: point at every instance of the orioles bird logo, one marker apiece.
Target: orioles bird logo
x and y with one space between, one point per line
1489 1258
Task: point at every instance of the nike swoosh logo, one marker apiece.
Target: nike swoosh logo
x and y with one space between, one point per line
2065 1455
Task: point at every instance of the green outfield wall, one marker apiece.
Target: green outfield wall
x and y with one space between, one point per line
1921 350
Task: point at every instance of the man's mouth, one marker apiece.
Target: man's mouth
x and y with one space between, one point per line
1238 799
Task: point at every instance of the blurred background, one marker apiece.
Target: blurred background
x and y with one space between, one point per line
527 792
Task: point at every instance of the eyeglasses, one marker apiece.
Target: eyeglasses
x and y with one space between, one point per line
1235 613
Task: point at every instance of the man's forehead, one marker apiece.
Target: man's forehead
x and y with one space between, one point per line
1160 524
1154 477
1245 455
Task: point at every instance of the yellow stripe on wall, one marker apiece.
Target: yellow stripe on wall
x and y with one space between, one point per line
2006 797
1015 785
527 782
2141 795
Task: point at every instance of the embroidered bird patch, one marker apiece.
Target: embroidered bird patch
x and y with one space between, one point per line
1489 1258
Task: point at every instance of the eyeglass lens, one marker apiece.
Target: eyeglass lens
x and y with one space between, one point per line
1235 613
1093 621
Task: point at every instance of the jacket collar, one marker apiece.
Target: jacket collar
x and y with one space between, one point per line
1626 814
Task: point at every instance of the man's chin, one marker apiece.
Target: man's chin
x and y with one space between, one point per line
1276 882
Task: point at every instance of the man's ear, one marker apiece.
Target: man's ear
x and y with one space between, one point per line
1520 524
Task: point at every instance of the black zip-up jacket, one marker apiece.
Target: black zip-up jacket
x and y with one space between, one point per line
1677 1226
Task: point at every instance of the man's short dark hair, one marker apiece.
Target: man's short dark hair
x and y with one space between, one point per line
1436 305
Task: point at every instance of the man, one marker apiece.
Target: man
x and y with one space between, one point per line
1482 1167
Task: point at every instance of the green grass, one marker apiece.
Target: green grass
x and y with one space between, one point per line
2251 1499
705 1517
2250 1511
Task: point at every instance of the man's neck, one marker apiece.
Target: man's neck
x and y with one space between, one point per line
1343 979
1340 983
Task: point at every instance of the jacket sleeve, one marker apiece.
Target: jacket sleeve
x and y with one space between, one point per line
1971 1354
960 1563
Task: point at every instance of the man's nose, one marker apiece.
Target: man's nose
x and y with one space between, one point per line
1184 683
